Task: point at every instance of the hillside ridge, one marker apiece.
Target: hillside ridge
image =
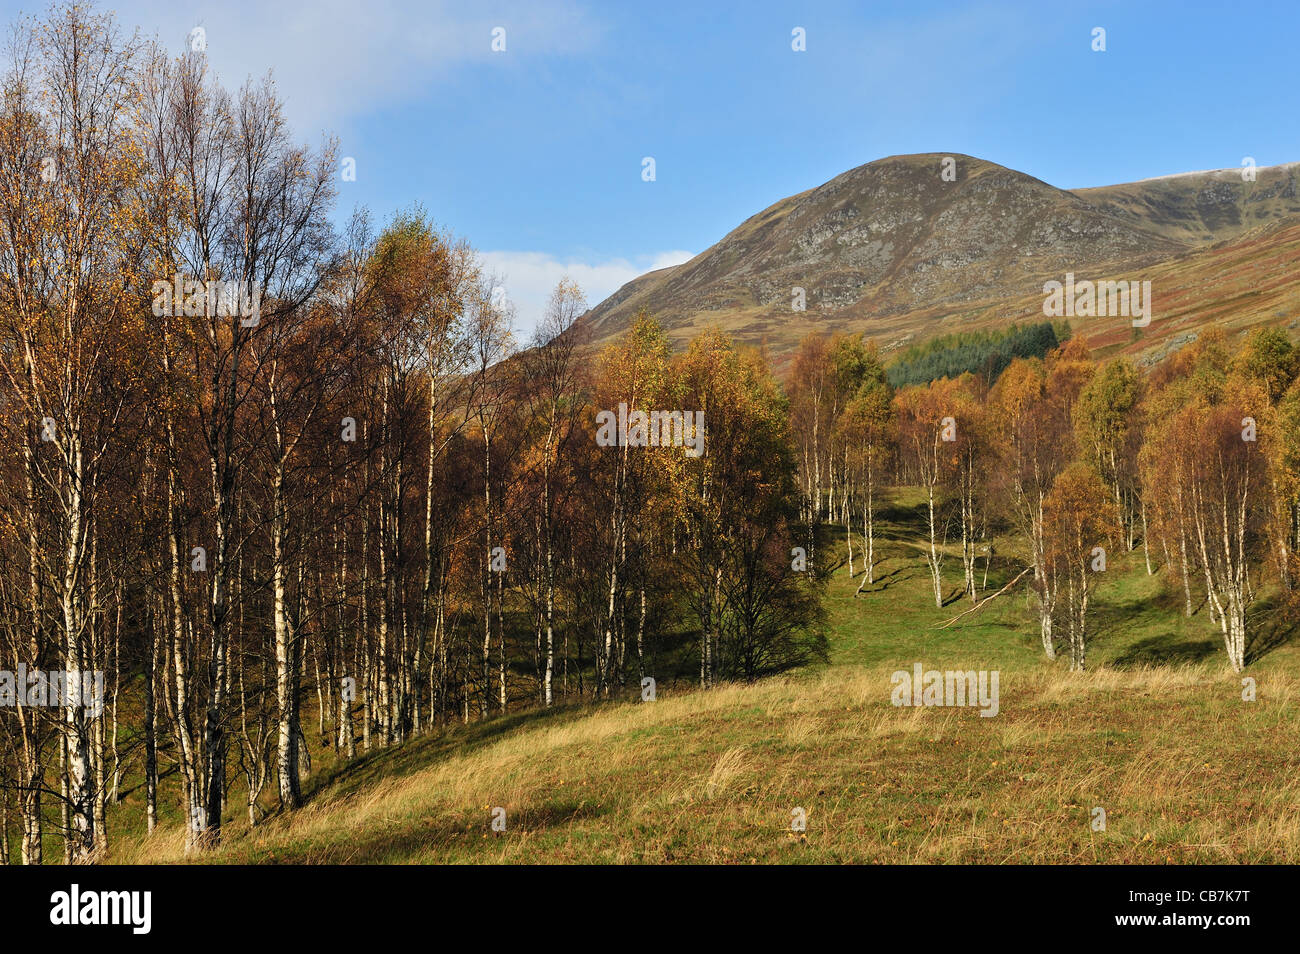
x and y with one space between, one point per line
891 241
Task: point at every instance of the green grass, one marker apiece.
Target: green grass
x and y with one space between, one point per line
1156 733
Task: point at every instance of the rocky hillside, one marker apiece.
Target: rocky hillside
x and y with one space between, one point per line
894 248
1203 207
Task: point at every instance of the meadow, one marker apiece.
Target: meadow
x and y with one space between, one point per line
1156 733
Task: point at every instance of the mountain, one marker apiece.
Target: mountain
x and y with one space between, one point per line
1202 207
894 249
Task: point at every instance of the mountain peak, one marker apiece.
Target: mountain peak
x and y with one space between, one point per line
936 233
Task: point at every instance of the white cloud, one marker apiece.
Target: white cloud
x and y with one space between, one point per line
335 60
529 277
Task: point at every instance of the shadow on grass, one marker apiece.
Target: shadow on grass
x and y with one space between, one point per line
1167 648
1115 619
884 582
402 841
421 751
896 521
1269 626
1112 620
954 596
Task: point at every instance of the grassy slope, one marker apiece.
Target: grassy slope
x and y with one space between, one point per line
1157 734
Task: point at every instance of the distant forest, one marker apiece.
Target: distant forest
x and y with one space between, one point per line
986 353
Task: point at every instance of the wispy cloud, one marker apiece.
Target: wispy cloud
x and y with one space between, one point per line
529 277
336 60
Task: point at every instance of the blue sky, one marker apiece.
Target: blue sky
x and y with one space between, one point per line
535 154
